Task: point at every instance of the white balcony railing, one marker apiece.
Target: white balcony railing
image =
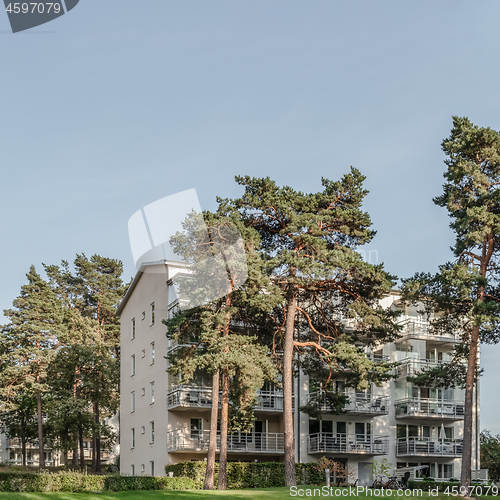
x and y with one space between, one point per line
420 329
360 404
365 444
424 446
201 397
410 367
429 408
254 442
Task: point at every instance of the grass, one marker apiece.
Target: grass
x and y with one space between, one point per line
264 494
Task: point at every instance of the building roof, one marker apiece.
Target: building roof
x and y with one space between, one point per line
138 276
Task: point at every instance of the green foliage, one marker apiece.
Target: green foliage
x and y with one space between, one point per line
309 243
334 401
249 474
75 482
490 454
379 469
464 296
62 345
214 333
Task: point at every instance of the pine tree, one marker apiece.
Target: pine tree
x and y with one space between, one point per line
31 342
308 243
219 263
21 421
90 294
464 296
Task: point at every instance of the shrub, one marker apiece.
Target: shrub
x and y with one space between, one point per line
77 483
248 474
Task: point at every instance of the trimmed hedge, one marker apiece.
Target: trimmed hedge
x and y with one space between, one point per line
77 483
247 474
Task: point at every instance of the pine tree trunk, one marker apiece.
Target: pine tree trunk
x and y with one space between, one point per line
23 443
212 445
465 478
96 456
82 451
41 459
224 422
74 460
290 479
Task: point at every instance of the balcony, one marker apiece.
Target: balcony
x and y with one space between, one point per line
410 367
352 444
189 397
422 446
429 408
360 404
16 443
255 442
414 328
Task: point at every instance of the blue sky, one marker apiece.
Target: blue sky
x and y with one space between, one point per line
122 102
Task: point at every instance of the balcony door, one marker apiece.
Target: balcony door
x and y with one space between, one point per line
259 429
363 431
196 428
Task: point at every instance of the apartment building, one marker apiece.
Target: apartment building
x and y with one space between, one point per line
163 422
11 450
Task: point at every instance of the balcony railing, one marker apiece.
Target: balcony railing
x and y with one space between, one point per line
409 367
436 447
16 443
190 397
419 329
429 408
201 397
364 444
360 404
255 442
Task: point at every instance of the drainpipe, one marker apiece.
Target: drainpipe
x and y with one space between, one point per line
477 423
297 414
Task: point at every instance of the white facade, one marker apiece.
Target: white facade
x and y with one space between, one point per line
407 425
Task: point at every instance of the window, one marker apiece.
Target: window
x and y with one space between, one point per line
445 471
151 432
132 470
132 401
152 467
143 353
362 430
152 353
151 392
133 329
143 430
196 428
341 429
152 313
143 391
143 315
132 438
143 468
133 364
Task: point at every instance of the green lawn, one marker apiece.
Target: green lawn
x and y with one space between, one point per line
265 494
